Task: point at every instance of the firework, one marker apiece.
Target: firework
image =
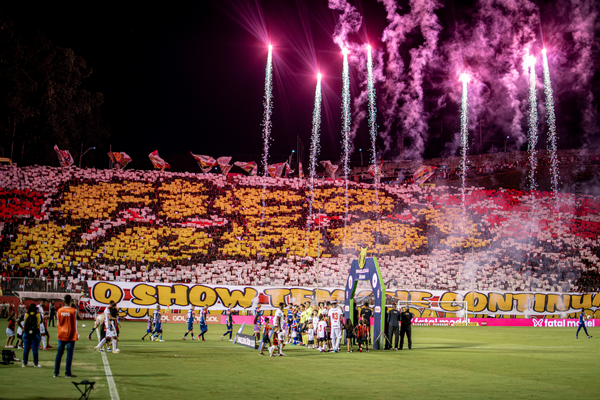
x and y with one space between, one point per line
314 150
268 109
551 120
464 133
533 122
346 120
373 129
372 108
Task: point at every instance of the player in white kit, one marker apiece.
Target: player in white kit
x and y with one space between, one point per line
40 310
321 326
335 319
111 329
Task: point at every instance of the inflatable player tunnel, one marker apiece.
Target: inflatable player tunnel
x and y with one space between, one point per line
361 270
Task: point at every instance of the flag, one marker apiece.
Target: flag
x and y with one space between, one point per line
224 164
330 168
204 162
275 170
158 162
64 157
250 167
375 171
119 159
423 173
288 170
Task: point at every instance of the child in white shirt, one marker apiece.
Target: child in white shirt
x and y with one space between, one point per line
311 336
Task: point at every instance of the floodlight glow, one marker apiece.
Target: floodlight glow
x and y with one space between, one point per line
345 51
464 77
369 47
270 47
544 51
319 76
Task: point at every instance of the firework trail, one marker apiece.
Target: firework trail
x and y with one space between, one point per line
372 107
268 110
464 135
532 134
314 153
346 130
551 120
373 131
349 22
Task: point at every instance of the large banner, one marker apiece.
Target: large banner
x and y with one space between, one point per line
424 303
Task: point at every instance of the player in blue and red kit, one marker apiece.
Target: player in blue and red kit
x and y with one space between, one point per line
228 322
203 325
190 323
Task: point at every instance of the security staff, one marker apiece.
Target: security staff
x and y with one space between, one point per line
393 325
405 328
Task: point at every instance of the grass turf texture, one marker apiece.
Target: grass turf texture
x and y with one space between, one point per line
446 362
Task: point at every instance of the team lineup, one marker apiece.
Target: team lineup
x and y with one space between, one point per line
319 326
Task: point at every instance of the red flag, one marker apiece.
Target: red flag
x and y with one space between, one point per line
330 168
275 170
423 173
119 159
224 164
64 157
250 167
204 162
158 162
288 170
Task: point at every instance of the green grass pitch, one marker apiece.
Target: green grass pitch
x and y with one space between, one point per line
446 362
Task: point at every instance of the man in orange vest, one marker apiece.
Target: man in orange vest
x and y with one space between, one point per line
67 335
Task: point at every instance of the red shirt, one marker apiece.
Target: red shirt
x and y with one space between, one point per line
67 324
363 331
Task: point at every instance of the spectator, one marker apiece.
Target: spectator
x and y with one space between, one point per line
31 335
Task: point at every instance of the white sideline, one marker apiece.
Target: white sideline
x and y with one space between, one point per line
112 387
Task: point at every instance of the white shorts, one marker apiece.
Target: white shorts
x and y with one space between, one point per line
111 331
336 333
10 332
42 328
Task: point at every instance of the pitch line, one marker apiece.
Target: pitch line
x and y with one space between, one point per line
112 387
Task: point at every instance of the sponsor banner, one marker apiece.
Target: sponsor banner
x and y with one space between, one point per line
245 340
530 322
423 303
181 318
144 295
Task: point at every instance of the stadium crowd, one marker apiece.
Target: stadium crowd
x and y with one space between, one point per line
64 226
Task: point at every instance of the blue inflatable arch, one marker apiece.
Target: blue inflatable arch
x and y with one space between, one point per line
361 270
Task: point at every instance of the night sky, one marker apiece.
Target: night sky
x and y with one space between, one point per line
190 76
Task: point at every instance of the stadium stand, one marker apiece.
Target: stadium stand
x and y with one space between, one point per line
63 226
